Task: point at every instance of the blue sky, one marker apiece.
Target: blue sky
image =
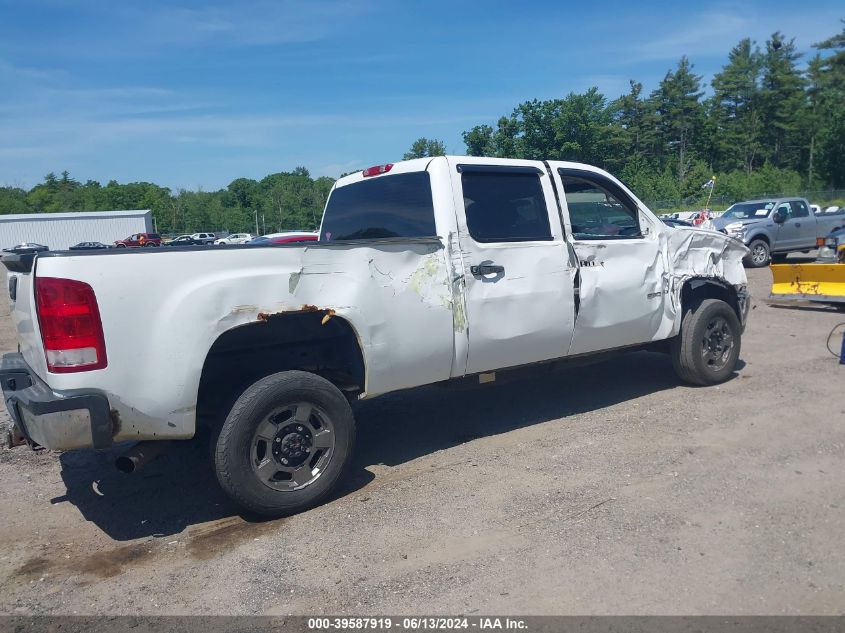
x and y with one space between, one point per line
196 94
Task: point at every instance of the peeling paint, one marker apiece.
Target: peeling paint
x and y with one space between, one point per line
426 275
293 281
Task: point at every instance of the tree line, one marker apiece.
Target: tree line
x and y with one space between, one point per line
768 126
278 202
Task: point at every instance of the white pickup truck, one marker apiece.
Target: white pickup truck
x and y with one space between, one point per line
426 270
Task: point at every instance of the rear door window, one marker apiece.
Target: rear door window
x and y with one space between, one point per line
381 207
505 206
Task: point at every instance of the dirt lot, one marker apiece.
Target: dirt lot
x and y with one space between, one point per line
605 489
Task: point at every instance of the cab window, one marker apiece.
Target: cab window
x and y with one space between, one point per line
398 205
799 209
505 205
596 212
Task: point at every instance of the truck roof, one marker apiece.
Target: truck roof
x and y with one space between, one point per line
420 164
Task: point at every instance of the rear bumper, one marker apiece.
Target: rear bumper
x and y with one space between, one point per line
77 419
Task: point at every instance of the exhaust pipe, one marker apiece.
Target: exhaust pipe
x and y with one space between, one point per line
140 455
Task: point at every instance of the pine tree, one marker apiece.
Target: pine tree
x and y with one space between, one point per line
680 113
782 103
734 111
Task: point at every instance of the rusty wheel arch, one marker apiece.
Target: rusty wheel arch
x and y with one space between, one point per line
311 339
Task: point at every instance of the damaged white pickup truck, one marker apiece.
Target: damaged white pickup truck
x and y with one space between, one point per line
425 271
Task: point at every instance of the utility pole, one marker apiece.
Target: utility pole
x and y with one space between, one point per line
256 222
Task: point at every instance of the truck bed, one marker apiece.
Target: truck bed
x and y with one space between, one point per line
165 308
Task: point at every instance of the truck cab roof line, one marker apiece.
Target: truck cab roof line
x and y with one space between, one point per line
501 169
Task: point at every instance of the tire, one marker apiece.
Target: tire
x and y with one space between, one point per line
779 258
760 254
703 330
300 419
149 245
121 245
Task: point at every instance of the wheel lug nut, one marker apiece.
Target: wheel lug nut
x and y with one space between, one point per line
278 439
284 461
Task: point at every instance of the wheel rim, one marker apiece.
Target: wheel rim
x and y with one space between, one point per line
717 343
292 446
759 254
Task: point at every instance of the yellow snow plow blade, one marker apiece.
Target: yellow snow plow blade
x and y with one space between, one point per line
810 282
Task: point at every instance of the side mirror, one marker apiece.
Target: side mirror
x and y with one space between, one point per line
779 217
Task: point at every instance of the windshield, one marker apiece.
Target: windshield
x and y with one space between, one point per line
746 210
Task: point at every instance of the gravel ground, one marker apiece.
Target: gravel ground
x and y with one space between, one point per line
603 489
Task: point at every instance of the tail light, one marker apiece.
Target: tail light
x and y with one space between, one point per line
376 170
71 328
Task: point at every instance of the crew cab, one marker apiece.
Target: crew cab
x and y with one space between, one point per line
425 271
773 228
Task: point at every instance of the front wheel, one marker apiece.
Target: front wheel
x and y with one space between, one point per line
707 349
285 443
759 255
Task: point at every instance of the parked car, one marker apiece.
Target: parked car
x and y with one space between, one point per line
775 227
426 270
234 238
203 238
184 240
139 240
27 247
88 246
833 249
285 238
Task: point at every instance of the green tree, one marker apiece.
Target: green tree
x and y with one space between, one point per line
827 80
632 124
583 129
782 101
680 116
425 147
479 141
736 129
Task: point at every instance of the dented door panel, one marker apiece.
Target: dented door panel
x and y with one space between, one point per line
623 286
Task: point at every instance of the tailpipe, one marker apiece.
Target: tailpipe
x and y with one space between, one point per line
140 455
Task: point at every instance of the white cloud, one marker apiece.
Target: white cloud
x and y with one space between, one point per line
714 31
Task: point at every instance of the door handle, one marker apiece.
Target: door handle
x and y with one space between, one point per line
798 225
486 269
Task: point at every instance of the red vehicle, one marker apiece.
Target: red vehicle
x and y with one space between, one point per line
139 240
285 238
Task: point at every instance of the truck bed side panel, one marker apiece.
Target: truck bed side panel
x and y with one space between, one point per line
162 313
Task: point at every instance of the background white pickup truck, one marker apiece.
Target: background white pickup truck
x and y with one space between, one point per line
426 270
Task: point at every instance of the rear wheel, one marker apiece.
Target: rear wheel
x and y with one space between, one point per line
707 349
759 255
285 443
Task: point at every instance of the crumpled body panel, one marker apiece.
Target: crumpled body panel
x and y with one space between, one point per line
630 290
